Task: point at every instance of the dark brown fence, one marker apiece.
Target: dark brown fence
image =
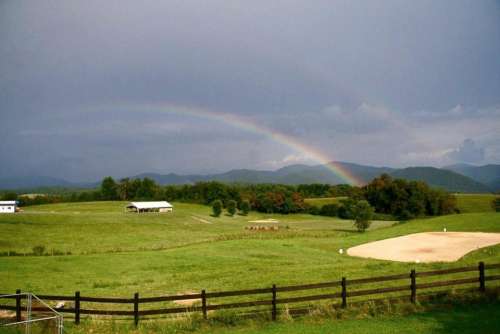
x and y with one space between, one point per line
346 289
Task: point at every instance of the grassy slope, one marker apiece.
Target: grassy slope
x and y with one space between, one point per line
98 227
471 319
468 318
215 256
475 202
222 256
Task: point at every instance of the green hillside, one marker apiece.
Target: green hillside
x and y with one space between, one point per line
467 203
441 178
487 174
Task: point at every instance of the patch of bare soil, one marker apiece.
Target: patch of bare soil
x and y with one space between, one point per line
187 302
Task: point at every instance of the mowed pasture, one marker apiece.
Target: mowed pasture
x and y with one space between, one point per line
114 253
475 202
319 202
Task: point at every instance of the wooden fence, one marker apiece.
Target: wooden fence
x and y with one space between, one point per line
346 289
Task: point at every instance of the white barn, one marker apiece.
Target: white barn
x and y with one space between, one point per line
161 206
8 206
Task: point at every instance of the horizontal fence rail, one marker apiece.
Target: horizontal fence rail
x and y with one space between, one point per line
273 296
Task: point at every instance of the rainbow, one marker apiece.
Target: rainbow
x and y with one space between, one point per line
246 124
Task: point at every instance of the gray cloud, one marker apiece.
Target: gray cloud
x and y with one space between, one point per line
388 83
468 152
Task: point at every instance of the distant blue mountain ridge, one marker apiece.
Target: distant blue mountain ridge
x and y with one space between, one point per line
454 178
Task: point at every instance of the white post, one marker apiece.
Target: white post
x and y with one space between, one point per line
28 323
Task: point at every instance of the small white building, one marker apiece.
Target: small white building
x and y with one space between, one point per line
161 206
8 206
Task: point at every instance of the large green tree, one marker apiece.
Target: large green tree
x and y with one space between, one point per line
245 207
231 207
217 208
407 199
109 189
362 214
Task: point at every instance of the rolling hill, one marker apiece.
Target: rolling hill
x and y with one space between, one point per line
300 174
487 174
441 178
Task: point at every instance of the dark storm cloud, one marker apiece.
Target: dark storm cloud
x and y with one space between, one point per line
391 83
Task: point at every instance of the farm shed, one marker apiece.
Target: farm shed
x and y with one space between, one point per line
8 206
162 206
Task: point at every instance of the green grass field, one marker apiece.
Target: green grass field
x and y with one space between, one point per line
475 202
452 318
319 202
115 253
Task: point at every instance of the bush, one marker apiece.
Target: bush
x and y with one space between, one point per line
405 215
38 250
314 210
495 204
363 214
245 207
217 208
346 210
330 210
231 207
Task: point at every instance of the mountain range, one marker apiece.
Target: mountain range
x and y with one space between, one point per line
455 178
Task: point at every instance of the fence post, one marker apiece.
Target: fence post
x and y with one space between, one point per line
18 305
77 307
136 309
482 286
413 286
204 304
344 292
274 302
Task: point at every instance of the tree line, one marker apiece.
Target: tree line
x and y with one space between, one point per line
400 198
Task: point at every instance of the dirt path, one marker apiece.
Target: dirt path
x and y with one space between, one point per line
426 247
201 220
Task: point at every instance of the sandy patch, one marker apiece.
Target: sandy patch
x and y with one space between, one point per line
426 247
187 302
265 221
7 314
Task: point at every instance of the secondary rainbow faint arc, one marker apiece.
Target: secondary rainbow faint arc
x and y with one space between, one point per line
250 125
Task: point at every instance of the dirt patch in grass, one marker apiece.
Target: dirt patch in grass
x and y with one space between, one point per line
187 302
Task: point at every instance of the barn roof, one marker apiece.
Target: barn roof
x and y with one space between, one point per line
8 202
149 205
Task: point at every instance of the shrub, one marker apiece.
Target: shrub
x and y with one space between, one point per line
405 215
495 204
314 210
330 210
217 208
231 207
38 250
346 210
245 207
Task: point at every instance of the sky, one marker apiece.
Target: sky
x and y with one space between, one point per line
94 88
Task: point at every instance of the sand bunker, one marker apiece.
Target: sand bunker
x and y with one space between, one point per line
426 247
